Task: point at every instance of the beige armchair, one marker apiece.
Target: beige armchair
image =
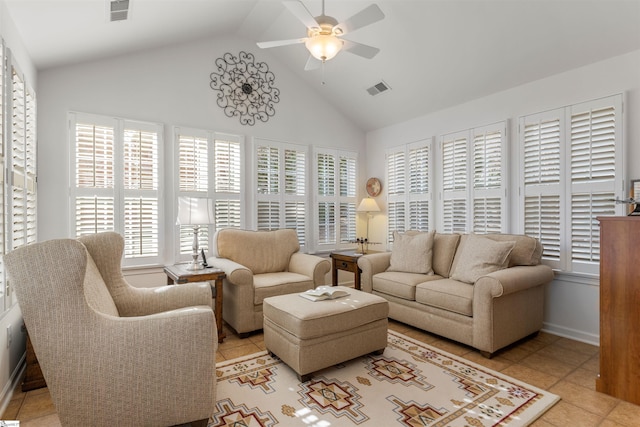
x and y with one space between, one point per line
107 363
261 264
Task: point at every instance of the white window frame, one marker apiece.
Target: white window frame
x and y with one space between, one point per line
338 200
183 235
604 189
119 193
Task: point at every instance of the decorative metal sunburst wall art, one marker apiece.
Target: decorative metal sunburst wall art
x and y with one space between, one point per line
245 88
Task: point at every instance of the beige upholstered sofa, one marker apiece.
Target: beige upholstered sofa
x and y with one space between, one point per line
486 291
261 264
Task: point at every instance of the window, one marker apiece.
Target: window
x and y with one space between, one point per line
18 160
473 184
335 176
115 184
409 192
571 172
210 165
281 187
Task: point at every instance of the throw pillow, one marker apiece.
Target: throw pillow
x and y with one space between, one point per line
412 252
480 256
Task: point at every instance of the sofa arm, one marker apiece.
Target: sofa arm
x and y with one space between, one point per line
513 279
508 305
310 266
237 274
371 265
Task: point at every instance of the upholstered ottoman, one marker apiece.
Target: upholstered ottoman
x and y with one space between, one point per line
313 335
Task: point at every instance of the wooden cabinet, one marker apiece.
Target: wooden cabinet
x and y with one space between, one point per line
620 308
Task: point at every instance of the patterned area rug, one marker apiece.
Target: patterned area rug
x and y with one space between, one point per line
411 384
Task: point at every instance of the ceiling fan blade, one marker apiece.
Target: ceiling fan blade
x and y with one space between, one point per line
276 43
302 13
312 63
360 49
365 17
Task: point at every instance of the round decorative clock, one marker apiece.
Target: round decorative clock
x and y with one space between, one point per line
245 88
374 187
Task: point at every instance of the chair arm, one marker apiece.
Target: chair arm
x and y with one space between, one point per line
237 274
134 367
145 301
310 266
371 265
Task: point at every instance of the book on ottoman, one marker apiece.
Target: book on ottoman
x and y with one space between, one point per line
324 292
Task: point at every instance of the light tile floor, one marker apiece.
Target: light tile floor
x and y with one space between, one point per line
565 367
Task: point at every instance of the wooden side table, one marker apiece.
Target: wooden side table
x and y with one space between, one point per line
178 274
347 261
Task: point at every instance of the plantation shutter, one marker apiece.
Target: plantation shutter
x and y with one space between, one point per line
419 192
488 190
19 180
396 193
594 129
347 183
541 136
455 178
209 166
193 181
116 183
295 184
141 195
409 188
228 184
94 171
3 173
571 172
30 168
336 175
281 187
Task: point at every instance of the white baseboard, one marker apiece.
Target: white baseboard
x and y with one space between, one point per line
573 334
9 388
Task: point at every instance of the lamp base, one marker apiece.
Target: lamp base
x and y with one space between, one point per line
194 266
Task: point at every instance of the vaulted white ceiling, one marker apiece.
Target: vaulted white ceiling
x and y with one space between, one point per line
434 53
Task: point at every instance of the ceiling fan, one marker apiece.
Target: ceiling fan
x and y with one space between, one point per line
324 33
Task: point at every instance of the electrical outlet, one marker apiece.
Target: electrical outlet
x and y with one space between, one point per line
9 336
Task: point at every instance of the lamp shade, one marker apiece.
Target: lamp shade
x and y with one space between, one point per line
368 205
195 211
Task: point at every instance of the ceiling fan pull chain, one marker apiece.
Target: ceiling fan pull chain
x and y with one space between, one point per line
323 82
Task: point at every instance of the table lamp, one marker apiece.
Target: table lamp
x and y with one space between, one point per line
367 205
196 212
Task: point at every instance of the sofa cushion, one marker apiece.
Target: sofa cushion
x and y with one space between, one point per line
527 251
447 294
259 251
272 284
478 256
400 284
444 250
412 252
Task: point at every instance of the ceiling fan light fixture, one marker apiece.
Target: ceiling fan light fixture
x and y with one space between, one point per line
324 47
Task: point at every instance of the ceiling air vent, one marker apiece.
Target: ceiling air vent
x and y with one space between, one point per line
378 88
118 10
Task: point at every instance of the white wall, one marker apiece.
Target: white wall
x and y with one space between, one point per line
572 301
170 85
12 351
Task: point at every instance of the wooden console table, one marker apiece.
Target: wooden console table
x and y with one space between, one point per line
178 274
